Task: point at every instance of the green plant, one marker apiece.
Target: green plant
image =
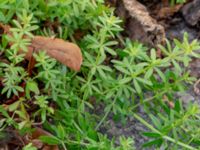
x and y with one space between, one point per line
115 73
29 147
173 2
170 127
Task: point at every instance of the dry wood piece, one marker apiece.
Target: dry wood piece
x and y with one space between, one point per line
155 32
67 53
149 31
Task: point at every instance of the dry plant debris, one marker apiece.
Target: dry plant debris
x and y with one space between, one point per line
167 11
34 138
67 53
154 32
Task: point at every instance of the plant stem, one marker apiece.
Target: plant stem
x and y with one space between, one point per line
163 136
106 114
63 145
77 143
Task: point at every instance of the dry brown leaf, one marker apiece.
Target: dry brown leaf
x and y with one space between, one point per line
166 100
169 11
5 29
67 53
34 139
165 2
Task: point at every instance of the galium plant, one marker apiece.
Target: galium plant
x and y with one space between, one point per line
169 128
118 79
173 2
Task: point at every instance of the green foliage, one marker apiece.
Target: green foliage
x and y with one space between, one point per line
12 77
29 147
170 127
117 78
126 143
173 2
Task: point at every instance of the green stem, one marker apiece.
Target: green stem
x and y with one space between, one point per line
106 114
63 145
73 39
163 136
77 127
158 94
77 142
147 100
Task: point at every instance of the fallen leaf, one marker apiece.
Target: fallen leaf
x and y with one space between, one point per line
5 29
67 53
34 138
166 100
31 65
169 11
165 2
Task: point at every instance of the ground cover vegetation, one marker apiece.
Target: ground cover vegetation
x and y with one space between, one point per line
118 74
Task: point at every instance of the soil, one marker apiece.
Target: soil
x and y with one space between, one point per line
132 128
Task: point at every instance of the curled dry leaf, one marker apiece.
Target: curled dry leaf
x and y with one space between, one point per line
34 138
67 53
165 12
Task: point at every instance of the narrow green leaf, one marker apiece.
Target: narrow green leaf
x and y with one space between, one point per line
156 142
137 86
151 134
51 140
